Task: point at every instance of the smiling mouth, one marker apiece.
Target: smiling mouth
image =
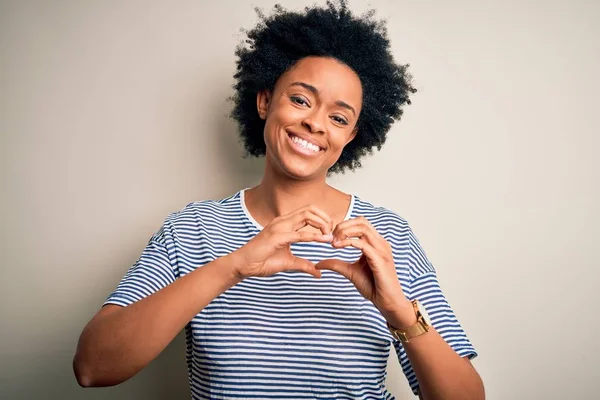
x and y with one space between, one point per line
304 144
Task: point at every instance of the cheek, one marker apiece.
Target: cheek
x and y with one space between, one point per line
274 126
286 114
341 140
279 118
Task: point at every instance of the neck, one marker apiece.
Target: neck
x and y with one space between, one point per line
277 195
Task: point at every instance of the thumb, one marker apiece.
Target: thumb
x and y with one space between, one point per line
301 264
339 266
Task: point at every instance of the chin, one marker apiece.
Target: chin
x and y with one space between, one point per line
297 166
300 169
303 173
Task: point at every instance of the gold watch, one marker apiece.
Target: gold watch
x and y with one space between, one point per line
420 327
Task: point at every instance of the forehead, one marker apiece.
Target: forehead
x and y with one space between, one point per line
333 79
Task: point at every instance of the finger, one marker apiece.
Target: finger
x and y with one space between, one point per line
316 211
350 231
341 267
356 231
305 217
361 244
304 236
303 265
323 215
358 221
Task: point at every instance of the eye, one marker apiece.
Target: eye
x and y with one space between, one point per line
298 100
339 120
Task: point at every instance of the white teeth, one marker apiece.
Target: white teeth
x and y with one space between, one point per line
305 144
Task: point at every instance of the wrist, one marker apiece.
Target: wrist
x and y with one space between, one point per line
402 315
231 266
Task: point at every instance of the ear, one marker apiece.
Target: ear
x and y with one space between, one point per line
262 103
352 135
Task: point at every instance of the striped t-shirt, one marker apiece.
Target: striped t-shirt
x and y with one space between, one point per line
290 335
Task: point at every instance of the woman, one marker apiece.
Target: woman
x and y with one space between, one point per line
293 289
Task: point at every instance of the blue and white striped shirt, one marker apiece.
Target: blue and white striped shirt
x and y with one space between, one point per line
290 335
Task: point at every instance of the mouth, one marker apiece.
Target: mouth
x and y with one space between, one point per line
304 146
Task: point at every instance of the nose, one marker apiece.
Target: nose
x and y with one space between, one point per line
314 122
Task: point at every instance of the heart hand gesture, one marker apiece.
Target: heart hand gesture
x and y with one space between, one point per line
269 251
374 273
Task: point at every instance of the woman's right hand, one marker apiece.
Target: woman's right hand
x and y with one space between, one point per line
269 251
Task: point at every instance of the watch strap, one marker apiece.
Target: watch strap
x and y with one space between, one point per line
420 327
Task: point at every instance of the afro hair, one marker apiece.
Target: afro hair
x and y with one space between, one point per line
283 38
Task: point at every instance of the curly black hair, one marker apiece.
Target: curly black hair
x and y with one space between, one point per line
285 37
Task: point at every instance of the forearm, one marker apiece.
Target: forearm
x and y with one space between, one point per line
441 372
115 346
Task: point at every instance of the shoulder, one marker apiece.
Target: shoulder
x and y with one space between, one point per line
399 234
386 221
202 214
409 257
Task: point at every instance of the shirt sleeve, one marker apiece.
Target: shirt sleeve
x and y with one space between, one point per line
425 287
154 270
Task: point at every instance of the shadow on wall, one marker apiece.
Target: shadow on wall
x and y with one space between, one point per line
239 172
50 374
166 377
50 377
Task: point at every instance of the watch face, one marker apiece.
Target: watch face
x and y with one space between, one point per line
423 312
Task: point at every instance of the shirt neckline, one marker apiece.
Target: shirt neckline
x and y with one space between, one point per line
260 227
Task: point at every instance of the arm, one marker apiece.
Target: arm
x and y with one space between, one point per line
119 341
441 372
420 393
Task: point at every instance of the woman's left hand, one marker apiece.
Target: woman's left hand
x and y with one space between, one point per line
374 273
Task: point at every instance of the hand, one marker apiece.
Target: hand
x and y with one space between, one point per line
374 273
269 251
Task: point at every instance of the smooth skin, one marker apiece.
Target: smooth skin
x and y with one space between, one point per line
318 100
119 341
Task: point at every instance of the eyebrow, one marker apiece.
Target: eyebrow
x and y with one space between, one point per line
316 92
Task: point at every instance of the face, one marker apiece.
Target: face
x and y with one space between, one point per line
310 116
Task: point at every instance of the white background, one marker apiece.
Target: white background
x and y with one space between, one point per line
114 114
